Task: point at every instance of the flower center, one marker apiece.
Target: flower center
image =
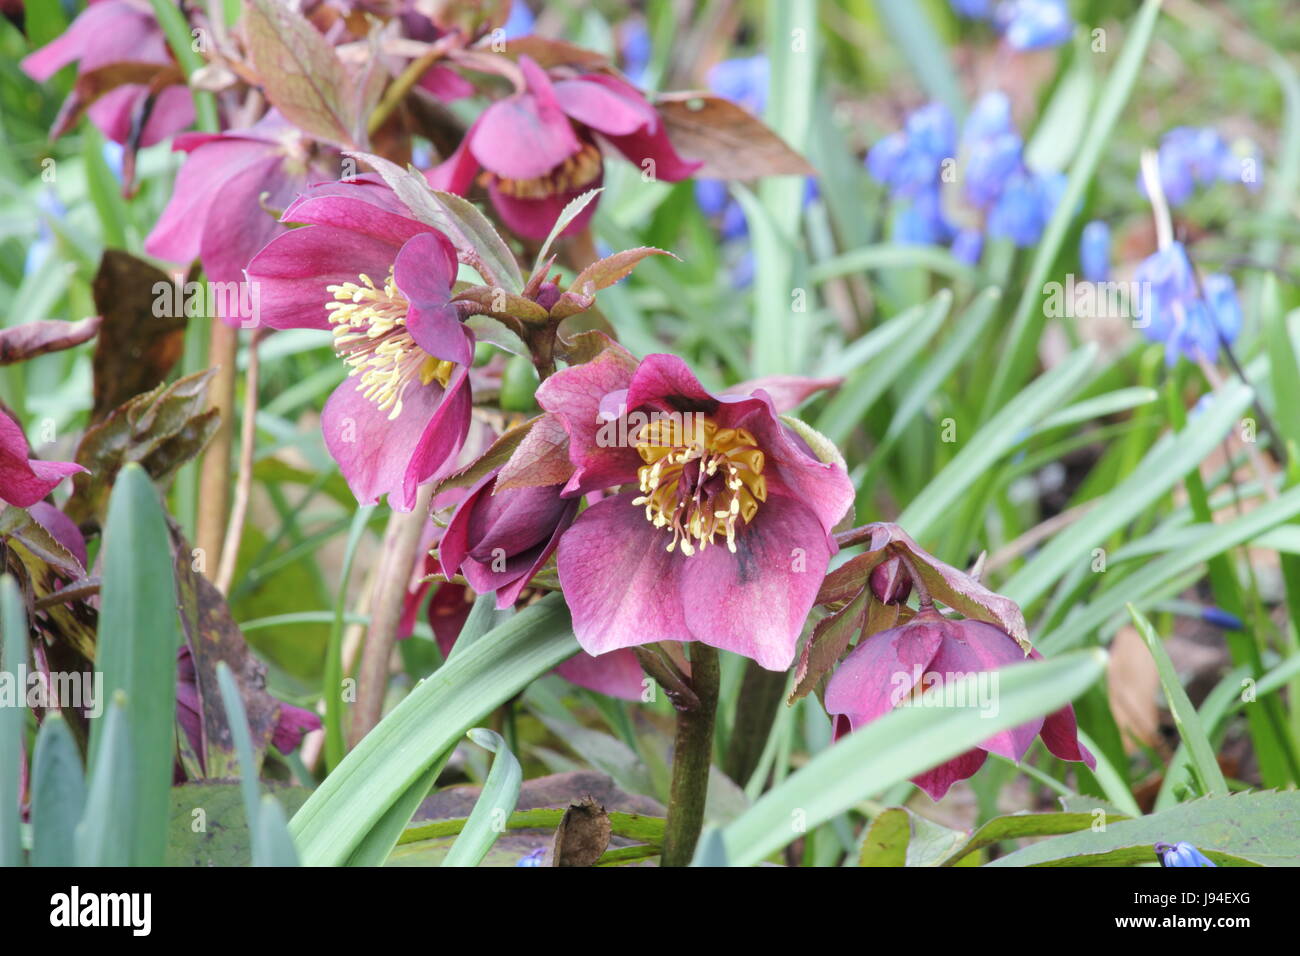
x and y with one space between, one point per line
698 479
370 334
579 170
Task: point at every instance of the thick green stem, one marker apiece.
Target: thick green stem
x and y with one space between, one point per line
761 691
692 756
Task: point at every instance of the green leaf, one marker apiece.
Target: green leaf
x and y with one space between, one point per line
332 683
998 436
495 803
898 746
13 717
914 328
899 837
894 255
177 30
208 826
427 724
104 835
569 213
238 722
1022 340
1163 467
1018 825
1186 719
272 844
58 794
1246 829
139 635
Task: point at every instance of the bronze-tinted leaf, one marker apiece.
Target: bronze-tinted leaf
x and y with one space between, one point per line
732 142
301 74
830 639
582 836
552 53
136 348
22 342
496 456
600 275
499 303
92 84
213 636
161 430
542 458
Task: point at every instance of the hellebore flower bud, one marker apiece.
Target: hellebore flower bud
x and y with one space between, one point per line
890 582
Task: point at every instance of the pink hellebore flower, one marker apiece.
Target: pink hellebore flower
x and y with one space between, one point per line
382 281
229 195
499 540
725 534
110 32
925 653
540 146
25 481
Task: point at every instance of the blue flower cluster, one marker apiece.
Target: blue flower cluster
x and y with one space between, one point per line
1190 321
1094 251
998 189
1199 156
1024 24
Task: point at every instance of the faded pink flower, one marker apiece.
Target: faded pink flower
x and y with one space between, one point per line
382 281
724 533
930 651
107 33
540 146
24 481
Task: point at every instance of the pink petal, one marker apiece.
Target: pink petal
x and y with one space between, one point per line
293 270
1061 735
534 218
755 602
446 84
622 587
24 482
61 527
603 107
379 456
239 224
937 781
881 671
456 173
525 135
616 674
653 145
575 395
787 392
424 271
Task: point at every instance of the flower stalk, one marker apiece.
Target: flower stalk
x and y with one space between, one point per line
692 757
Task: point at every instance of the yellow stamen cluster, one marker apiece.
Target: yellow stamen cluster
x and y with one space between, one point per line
579 170
370 334
698 479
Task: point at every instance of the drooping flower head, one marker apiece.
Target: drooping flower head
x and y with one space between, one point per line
931 651
382 282
108 33
539 148
1094 251
229 195
1034 24
1199 156
718 529
24 481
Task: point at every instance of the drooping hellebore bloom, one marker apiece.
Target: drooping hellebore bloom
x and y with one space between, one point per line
109 33
1181 854
381 281
229 195
930 651
539 148
499 539
723 532
290 725
24 480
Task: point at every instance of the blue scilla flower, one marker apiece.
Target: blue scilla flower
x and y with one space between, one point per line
112 153
711 196
41 249
1198 156
1094 251
1025 206
1173 312
908 162
920 219
743 80
520 22
972 9
532 858
967 246
1181 854
635 49
1034 24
